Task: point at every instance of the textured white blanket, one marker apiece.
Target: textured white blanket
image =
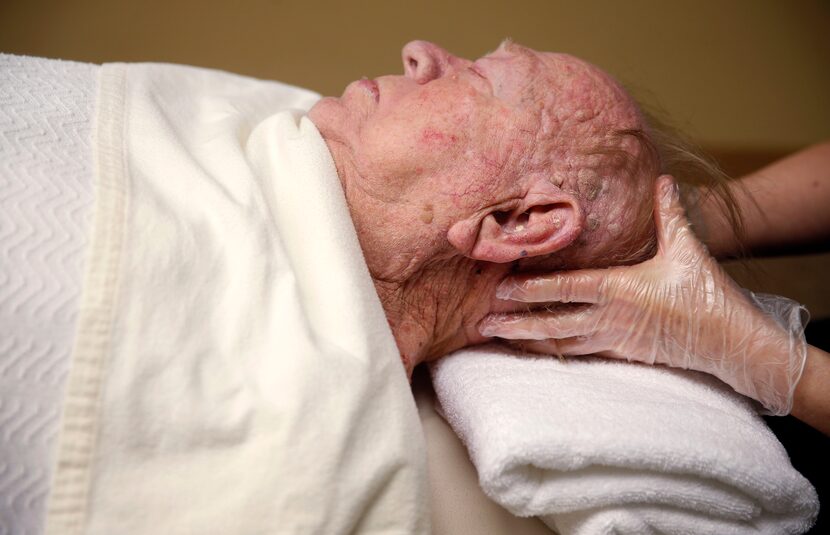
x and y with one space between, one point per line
606 447
46 117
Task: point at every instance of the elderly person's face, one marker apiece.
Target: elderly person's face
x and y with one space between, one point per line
484 148
459 172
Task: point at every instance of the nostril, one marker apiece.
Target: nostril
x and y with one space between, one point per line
501 217
423 61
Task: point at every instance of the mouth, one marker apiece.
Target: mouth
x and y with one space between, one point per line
371 88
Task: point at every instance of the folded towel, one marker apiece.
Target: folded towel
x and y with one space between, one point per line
596 446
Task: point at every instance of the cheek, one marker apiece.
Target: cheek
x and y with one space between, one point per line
433 138
401 150
432 141
447 128
425 138
386 139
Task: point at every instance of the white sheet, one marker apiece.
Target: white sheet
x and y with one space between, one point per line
233 371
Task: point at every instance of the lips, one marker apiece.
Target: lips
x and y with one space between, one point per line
371 87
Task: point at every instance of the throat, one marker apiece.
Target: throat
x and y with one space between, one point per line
437 310
412 320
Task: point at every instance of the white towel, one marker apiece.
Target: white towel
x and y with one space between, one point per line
598 446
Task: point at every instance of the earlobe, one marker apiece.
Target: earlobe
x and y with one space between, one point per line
545 222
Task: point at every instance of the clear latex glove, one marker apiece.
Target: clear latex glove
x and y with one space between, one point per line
679 309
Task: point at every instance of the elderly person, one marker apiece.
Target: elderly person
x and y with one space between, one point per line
458 170
258 262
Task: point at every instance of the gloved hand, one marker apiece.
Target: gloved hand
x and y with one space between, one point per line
679 309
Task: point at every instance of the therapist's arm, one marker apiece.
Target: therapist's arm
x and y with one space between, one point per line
785 207
811 401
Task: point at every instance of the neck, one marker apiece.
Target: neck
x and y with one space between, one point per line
437 309
433 297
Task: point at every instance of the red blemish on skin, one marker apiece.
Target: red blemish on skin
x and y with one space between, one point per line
432 137
815 183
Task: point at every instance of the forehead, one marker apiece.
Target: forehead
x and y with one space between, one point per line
576 108
568 88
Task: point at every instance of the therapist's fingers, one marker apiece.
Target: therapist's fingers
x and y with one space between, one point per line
539 325
584 286
670 216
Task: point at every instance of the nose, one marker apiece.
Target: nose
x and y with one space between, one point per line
424 61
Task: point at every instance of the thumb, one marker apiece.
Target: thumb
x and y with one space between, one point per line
669 214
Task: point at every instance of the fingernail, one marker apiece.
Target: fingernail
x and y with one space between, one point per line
488 329
505 290
669 190
511 290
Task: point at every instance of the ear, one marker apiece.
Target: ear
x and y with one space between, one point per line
546 220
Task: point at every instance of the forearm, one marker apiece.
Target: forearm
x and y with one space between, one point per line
811 402
784 207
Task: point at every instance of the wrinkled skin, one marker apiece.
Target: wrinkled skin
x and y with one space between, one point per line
459 172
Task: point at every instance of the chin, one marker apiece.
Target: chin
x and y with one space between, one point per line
327 113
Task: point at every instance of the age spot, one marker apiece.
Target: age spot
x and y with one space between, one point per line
589 184
427 214
582 115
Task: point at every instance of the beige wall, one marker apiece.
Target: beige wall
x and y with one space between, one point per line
736 74
750 73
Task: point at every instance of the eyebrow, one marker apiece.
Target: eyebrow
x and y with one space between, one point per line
511 47
505 44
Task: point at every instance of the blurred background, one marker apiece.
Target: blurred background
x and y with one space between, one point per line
749 80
